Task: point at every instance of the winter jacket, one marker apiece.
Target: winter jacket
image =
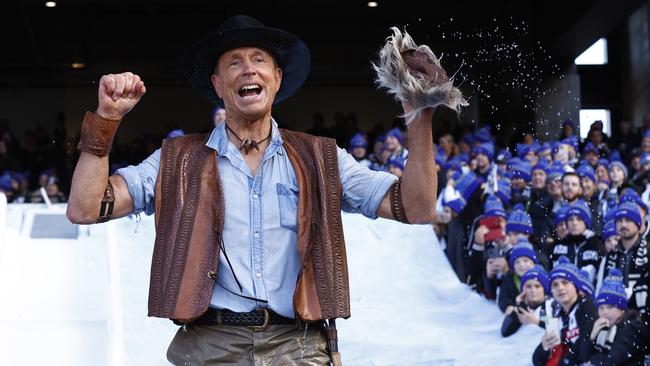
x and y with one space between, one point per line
635 266
541 214
585 251
575 326
511 323
509 290
621 345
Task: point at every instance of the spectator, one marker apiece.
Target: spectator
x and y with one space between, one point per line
616 336
522 258
569 321
529 308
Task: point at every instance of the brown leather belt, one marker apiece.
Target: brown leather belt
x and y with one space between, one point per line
258 318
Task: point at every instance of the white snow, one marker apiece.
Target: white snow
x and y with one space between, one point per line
84 301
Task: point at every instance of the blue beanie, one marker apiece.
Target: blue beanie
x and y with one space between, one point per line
358 140
585 284
503 155
397 161
541 165
522 170
554 171
630 211
630 195
468 138
609 229
580 209
572 141
175 133
396 133
494 207
645 158
503 190
5 181
522 249
612 292
483 135
536 273
590 148
519 221
567 270
560 215
522 150
620 165
485 148
586 171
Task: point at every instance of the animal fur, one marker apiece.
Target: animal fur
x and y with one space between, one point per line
413 74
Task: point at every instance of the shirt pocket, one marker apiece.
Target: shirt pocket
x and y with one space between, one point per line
288 205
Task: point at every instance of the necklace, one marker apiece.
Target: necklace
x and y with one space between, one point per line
247 144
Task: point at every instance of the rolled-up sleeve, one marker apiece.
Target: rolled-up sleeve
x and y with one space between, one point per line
363 189
141 182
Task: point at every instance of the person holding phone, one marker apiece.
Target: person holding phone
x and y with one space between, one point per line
529 307
569 321
616 337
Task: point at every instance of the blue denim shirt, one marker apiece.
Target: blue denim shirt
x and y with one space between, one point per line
260 223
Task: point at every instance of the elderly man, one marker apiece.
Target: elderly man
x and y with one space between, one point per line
249 254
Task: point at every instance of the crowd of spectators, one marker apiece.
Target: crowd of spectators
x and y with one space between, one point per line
554 232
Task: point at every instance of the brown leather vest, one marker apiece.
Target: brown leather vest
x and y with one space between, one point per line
190 217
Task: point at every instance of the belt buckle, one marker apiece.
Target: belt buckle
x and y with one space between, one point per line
266 320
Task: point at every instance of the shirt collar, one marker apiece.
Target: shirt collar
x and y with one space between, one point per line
218 139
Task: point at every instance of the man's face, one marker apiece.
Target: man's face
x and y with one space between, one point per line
596 137
247 79
564 292
588 187
554 188
561 230
538 179
571 188
518 183
626 228
575 225
611 313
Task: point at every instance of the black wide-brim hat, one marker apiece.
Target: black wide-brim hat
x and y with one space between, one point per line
290 52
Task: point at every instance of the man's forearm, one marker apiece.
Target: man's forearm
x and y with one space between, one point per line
420 180
89 182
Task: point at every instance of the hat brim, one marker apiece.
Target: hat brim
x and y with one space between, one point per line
291 53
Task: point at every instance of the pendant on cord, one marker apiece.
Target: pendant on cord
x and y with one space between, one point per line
248 144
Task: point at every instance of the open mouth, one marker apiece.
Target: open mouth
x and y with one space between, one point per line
249 90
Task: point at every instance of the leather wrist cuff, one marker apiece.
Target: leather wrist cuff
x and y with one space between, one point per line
97 134
396 205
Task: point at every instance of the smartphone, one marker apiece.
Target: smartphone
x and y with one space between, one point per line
493 223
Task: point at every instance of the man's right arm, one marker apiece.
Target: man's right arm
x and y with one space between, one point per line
117 95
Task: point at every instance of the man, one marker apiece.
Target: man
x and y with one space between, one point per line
630 257
581 246
571 189
590 195
483 155
570 319
249 254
